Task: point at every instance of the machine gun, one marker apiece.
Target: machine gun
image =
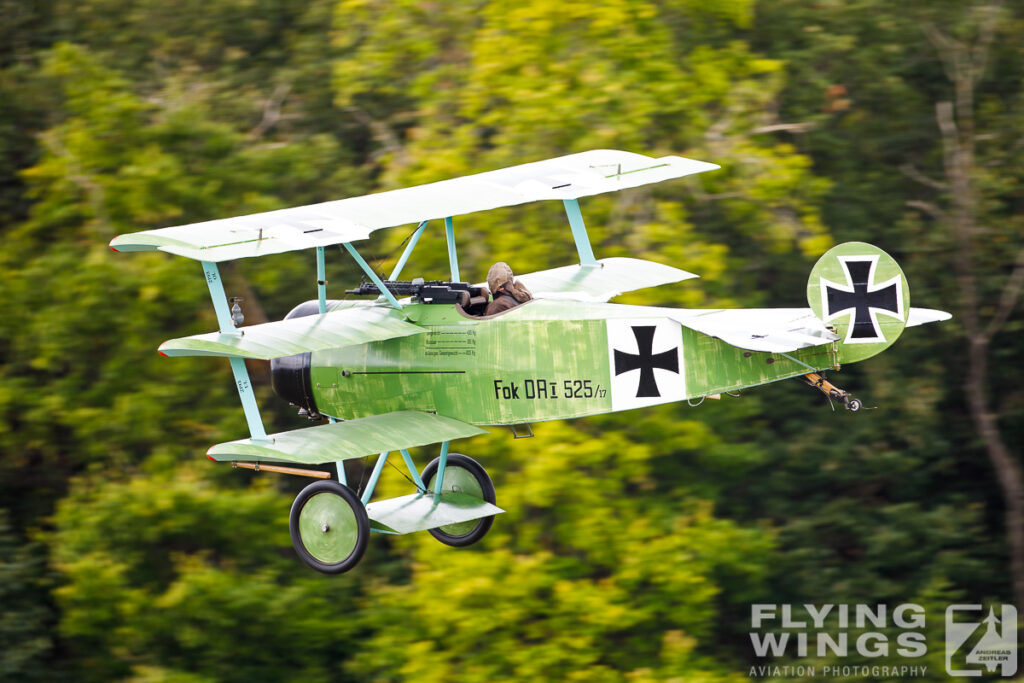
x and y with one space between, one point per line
427 291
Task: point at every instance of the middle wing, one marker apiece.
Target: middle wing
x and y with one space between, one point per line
345 327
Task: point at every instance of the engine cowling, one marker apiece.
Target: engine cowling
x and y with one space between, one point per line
289 376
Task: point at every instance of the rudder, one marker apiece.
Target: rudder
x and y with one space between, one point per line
862 293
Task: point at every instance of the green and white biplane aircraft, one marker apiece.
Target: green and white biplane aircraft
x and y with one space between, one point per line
418 364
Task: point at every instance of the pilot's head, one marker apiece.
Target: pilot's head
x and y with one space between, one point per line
498 276
501 281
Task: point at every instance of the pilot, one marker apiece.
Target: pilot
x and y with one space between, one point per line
506 291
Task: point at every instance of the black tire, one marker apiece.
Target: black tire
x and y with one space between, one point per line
854 405
326 549
465 533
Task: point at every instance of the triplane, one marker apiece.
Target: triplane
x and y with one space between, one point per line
417 364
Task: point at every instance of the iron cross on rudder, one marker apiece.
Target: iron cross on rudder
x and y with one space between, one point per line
861 296
645 360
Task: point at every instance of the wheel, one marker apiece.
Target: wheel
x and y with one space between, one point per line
329 527
854 405
462 473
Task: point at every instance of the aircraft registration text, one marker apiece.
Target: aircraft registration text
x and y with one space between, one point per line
539 388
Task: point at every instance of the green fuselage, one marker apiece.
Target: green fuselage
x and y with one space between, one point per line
544 360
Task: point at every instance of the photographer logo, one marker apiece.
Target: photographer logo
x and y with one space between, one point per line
880 641
977 644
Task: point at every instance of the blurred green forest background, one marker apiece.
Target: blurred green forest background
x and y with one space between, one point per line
634 544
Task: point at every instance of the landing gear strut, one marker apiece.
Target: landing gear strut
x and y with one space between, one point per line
832 391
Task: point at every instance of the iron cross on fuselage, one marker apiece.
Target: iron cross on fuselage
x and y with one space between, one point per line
645 360
862 299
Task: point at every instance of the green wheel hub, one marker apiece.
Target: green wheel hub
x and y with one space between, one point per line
328 528
468 479
460 480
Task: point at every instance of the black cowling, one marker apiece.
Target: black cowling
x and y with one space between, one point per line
289 376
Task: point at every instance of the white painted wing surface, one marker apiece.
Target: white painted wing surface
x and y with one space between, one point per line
348 220
598 283
348 439
773 330
334 329
922 316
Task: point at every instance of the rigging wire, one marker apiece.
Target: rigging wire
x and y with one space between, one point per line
407 477
376 262
362 478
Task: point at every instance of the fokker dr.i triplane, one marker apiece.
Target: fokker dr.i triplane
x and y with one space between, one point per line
417 363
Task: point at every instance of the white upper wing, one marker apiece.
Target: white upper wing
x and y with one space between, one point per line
348 220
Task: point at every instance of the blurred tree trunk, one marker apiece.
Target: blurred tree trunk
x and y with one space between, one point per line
965 65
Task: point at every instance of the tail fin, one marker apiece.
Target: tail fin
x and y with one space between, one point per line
862 293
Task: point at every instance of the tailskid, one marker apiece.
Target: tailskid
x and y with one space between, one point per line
833 392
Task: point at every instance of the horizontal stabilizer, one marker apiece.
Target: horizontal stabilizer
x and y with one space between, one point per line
348 220
772 330
348 439
608 278
923 316
419 512
345 327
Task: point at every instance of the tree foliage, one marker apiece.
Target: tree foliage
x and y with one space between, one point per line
634 544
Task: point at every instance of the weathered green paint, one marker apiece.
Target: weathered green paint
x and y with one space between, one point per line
459 480
830 271
345 440
713 367
451 370
419 512
328 528
491 371
347 326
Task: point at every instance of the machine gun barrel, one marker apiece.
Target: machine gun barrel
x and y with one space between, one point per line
397 287
425 291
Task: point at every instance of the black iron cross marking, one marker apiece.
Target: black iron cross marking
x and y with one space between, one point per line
862 299
645 361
